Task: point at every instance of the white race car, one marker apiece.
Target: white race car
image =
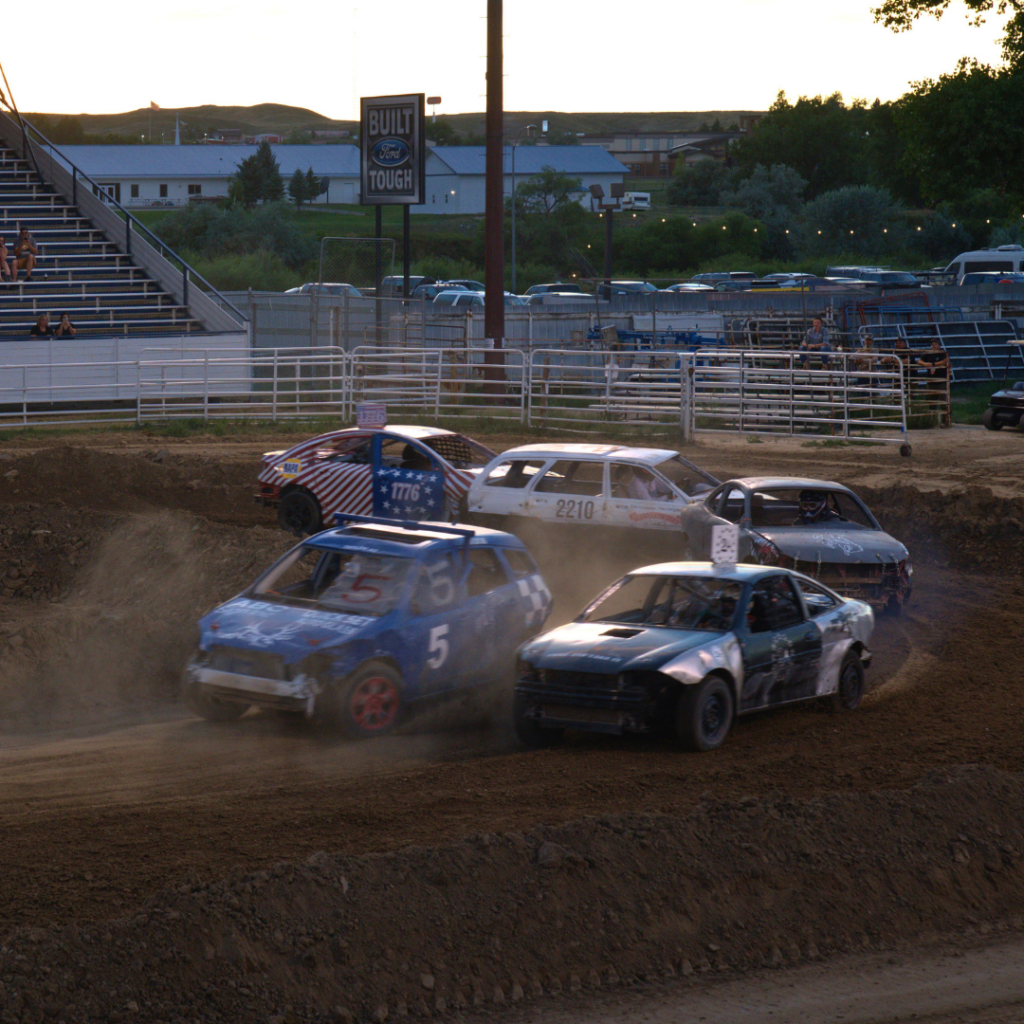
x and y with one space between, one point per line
587 485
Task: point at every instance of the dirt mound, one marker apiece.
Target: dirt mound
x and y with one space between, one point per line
132 481
968 528
498 918
127 623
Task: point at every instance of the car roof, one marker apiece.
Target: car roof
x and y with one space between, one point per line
592 451
739 573
412 432
757 483
341 538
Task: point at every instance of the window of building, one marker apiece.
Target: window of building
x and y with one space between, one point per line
163 191
195 190
135 191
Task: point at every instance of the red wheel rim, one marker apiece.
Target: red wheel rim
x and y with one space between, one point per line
374 704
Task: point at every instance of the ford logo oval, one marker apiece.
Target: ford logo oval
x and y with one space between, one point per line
390 152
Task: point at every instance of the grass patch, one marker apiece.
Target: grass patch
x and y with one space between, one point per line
969 401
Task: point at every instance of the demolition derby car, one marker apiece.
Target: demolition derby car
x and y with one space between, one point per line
586 485
692 644
359 622
399 472
1005 408
817 527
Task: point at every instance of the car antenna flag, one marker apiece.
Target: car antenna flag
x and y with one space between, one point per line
725 544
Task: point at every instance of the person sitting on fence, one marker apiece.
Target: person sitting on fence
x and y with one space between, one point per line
900 359
815 342
65 329
6 261
26 255
41 328
936 359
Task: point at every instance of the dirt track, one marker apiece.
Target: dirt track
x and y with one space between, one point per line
114 796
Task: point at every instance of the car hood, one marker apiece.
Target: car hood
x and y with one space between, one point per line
291 632
825 544
609 647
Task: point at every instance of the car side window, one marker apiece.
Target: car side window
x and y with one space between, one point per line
817 599
395 452
572 477
513 473
519 562
436 588
773 605
730 505
486 573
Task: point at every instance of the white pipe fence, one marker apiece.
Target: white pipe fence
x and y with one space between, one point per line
739 391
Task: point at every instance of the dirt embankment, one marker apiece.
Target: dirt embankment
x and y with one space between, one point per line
494 919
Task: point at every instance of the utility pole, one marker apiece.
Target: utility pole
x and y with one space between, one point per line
494 259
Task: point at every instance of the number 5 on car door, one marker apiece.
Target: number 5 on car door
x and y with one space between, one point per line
438 649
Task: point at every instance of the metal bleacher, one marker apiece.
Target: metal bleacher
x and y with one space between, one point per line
80 271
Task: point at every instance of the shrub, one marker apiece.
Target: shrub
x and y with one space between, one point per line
859 219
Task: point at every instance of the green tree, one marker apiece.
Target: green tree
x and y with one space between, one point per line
900 15
768 192
258 179
548 191
698 184
964 132
563 137
297 137
855 219
821 139
297 188
312 185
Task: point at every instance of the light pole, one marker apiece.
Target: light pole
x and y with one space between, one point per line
525 128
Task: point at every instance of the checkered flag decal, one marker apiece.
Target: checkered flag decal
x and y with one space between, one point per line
536 600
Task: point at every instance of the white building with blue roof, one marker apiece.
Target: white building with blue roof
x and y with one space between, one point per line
143 176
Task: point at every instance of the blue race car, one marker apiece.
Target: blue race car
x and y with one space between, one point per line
360 621
693 644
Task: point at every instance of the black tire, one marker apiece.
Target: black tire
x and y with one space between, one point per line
369 703
298 512
704 714
850 691
530 733
991 420
212 709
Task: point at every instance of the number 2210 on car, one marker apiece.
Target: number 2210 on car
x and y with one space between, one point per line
361 622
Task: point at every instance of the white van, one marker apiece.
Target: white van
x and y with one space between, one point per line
1004 258
636 201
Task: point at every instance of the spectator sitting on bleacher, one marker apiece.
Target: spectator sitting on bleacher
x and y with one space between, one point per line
815 343
41 328
6 262
26 255
65 329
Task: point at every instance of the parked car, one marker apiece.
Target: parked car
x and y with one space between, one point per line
586 485
607 291
981 277
360 623
469 284
393 286
1002 258
814 526
557 286
1005 407
325 288
559 299
692 645
400 471
430 291
689 286
465 299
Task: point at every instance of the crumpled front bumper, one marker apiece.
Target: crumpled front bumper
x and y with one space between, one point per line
298 694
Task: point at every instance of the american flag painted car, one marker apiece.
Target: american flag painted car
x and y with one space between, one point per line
398 472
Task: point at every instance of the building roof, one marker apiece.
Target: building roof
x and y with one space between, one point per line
207 161
532 159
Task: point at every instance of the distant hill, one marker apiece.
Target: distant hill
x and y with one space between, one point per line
279 118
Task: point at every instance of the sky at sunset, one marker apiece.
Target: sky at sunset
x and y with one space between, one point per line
726 55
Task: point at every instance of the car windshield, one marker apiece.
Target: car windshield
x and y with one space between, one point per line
808 507
460 451
687 477
676 602
355 582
